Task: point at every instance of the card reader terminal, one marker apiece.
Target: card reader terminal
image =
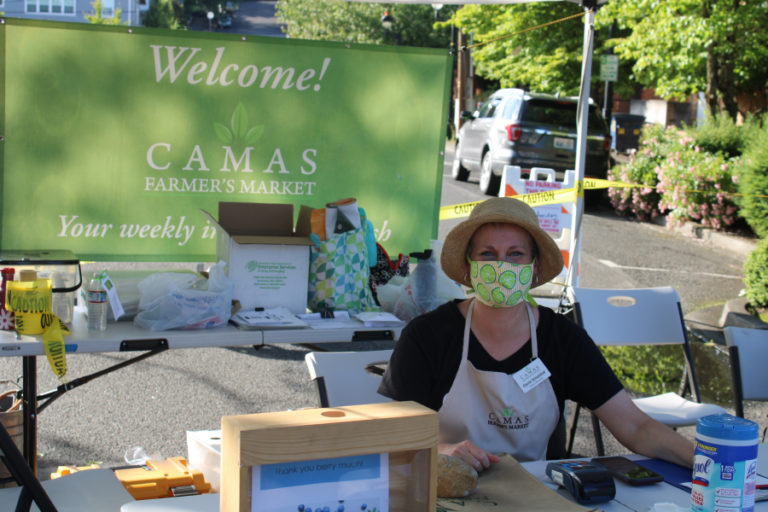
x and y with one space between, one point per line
588 483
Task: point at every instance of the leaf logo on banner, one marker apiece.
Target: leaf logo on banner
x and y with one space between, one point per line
238 131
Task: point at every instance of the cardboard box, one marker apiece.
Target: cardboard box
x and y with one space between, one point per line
406 432
266 258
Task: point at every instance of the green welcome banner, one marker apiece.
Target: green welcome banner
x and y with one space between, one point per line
114 138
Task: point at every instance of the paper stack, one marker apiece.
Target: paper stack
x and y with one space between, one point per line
378 319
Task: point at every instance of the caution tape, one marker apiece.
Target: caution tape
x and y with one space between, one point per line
30 302
566 195
544 198
53 341
596 183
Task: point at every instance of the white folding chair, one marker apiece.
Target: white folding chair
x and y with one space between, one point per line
748 350
347 378
642 316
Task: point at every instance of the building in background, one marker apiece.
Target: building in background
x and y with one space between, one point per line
73 10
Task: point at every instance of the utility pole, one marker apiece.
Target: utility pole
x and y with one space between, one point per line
608 98
463 79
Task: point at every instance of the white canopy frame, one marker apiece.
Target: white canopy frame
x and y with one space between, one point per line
590 7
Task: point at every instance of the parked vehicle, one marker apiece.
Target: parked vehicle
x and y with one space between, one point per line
515 127
225 20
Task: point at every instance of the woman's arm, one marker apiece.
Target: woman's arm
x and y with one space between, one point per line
641 433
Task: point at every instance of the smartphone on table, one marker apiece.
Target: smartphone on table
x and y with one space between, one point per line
628 471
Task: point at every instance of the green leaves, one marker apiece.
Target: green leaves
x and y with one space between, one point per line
238 131
360 22
673 43
547 59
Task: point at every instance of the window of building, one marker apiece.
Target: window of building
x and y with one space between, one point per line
108 8
64 7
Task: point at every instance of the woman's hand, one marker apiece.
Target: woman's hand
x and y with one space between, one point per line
469 453
641 433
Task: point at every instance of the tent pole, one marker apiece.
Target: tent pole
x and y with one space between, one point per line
581 148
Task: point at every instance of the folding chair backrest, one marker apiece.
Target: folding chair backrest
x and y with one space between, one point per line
641 316
752 360
31 489
636 316
342 378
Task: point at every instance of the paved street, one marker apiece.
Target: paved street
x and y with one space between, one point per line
256 17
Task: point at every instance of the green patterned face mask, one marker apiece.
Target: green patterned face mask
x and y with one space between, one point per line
501 284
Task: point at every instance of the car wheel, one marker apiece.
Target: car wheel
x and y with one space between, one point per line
458 171
489 182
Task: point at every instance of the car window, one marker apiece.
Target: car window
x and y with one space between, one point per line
511 108
560 113
489 107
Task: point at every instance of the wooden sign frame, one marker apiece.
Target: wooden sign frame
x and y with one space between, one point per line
407 431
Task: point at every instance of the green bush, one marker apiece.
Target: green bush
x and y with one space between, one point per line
681 178
756 275
640 202
647 370
753 183
720 134
697 185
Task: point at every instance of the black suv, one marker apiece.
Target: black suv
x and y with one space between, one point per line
521 128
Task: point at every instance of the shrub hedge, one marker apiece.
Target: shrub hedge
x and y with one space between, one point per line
753 183
641 203
756 275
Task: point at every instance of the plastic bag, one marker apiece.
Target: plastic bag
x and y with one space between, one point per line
184 301
423 290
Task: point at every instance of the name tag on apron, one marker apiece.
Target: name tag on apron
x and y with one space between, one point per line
533 374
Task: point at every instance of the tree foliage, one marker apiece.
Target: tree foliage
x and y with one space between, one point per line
97 16
164 14
680 48
353 22
545 60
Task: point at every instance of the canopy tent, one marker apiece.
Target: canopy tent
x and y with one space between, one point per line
590 7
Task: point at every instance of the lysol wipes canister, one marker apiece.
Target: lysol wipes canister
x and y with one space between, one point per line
724 464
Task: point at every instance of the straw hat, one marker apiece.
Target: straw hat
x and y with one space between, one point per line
503 210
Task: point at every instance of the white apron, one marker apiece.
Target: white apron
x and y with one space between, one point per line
491 410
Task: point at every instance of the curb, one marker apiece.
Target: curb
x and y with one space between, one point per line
709 323
735 314
728 241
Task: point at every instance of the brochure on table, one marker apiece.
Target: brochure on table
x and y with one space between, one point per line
359 482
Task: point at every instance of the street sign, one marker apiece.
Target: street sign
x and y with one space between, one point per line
609 68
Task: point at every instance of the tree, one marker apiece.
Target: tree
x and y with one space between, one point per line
164 14
680 48
337 20
547 59
97 16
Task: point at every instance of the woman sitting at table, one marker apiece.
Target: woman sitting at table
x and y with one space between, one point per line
496 367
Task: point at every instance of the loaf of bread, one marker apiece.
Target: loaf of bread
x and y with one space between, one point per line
455 478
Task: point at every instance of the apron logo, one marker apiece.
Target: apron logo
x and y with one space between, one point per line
508 420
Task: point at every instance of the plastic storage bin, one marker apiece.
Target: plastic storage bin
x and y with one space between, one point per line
61 267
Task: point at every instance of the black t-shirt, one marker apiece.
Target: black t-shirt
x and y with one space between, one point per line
427 356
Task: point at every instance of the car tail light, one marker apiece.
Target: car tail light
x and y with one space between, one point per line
514 132
607 143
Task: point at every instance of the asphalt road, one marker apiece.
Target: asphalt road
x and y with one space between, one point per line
256 17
